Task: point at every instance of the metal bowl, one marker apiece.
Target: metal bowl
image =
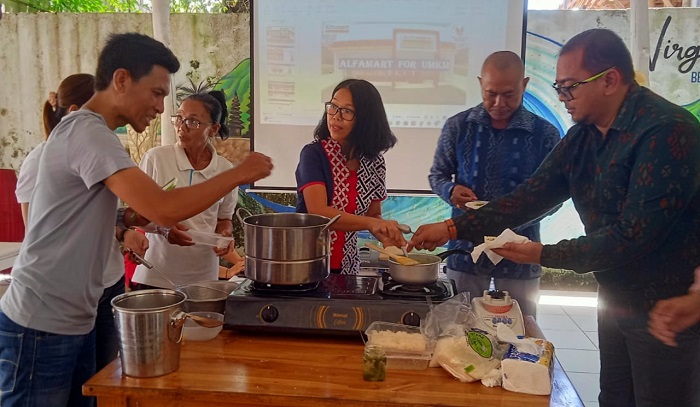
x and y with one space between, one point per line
201 298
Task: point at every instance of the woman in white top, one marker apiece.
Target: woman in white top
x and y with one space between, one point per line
192 160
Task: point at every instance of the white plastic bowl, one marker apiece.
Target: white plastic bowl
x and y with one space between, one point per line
195 332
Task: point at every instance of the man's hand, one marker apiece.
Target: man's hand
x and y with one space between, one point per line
526 253
429 236
256 166
674 315
461 195
136 242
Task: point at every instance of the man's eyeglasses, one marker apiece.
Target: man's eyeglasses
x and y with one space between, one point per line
345 113
566 90
189 123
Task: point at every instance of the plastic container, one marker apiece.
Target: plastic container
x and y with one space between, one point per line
209 239
195 332
405 346
374 364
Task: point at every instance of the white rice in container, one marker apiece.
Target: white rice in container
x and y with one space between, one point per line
398 341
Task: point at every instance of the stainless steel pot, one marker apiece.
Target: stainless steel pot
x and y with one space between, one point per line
285 236
426 272
287 272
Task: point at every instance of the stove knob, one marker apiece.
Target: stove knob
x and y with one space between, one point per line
269 314
410 318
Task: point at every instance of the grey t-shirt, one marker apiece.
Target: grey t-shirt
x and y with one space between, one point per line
58 275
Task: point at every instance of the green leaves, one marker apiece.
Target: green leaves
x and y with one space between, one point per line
127 6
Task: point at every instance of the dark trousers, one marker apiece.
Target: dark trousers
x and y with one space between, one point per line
106 334
638 370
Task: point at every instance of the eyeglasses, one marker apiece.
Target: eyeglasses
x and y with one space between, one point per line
189 123
345 114
566 90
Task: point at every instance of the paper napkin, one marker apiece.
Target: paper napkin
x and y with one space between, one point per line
505 237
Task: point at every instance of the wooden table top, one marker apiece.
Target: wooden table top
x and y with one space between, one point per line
256 369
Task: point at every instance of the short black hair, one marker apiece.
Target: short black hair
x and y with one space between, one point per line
137 53
602 49
371 134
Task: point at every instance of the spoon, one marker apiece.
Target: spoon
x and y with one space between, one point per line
403 260
405 229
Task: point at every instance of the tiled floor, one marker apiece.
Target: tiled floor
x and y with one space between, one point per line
568 320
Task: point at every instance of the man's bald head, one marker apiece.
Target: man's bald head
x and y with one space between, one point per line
502 61
502 84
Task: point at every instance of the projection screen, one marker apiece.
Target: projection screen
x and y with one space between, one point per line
424 56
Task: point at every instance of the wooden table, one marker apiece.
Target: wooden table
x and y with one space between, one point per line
238 369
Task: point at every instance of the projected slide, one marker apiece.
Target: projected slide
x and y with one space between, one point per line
424 57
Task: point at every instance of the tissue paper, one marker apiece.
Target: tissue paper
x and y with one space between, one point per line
505 237
525 345
527 373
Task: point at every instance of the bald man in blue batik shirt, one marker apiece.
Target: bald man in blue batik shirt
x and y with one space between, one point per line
483 153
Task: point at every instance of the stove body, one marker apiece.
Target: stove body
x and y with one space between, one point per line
340 304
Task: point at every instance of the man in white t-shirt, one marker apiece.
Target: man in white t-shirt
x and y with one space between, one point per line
48 313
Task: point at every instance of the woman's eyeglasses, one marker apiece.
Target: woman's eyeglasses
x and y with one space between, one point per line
189 123
345 113
566 90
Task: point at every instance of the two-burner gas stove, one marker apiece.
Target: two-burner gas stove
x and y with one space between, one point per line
340 304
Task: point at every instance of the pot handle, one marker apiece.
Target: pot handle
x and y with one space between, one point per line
447 253
238 214
177 322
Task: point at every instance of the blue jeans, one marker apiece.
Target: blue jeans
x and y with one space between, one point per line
106 334
43 369
637 369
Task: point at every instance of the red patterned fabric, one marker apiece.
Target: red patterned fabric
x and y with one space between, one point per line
11 223
353 192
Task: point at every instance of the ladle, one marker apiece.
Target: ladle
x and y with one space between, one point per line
205 322
403 260
165 277
330 222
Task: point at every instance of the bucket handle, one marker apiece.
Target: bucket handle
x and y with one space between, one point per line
238 214
177 322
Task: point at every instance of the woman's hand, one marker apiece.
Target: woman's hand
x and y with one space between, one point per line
223 251
224 227
387 232
177 235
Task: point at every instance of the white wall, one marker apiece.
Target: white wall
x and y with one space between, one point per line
38 50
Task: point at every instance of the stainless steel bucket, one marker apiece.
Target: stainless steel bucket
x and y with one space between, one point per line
286 236
287 272
150 331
